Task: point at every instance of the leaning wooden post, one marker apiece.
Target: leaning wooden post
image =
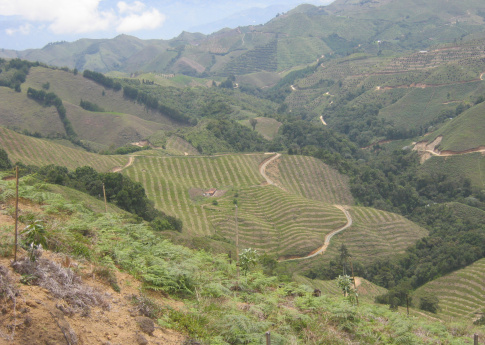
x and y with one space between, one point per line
268 338
407 303
105 203
16 211
237 250
355 284
475 339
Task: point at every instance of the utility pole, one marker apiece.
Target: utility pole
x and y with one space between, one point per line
16 211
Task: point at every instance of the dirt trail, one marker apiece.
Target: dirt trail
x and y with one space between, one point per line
323 121
429 150
131 160
328 237
262 168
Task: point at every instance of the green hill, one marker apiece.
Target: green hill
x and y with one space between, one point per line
464 132
375 234
42 152
311 178
470 166
461 294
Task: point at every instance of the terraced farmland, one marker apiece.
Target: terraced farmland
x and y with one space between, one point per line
375 234
461 293
176 184
276 222
40 152
311 178
179 146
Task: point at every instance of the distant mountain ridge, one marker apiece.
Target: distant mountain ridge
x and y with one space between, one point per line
295 38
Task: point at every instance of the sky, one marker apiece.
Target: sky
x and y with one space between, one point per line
34 23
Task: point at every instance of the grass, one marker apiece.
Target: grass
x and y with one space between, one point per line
312 179
20 112
175 184
461 293
178 146
375 235
72 88
265 126
464 132
470 166
29 150
276 222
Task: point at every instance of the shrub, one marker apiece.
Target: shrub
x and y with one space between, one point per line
429 303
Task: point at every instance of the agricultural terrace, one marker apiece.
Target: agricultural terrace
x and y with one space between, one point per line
470 166
178 146
276 222
375 234
461 293
33 151
310 178
176 184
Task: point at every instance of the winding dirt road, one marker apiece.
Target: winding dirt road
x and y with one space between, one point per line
131 160
262 168
328 237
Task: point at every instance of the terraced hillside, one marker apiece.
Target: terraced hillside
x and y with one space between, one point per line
461 293
311 178
375 234
72 88
23 113
470 166
277 222
178 146
465 132
41 152
177 184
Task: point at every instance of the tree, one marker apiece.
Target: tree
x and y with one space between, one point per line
5 162
253 122
429 303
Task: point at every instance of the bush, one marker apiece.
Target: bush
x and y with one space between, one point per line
429 303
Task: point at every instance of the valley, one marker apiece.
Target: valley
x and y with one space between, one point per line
320 176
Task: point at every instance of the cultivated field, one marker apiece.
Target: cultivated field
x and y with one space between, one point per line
41 152
461 293
176 184
311 178
375 234
277 222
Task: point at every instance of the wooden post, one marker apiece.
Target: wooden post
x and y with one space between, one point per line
16 211
268 338
407 303
475 339
105 203
237 249
355 284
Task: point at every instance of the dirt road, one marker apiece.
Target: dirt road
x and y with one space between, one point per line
131 160
262 168
328 237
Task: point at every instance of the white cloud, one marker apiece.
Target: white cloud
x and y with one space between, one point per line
81 16
136 7
146 20
22 29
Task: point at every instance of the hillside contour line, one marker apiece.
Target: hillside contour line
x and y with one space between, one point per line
328 237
